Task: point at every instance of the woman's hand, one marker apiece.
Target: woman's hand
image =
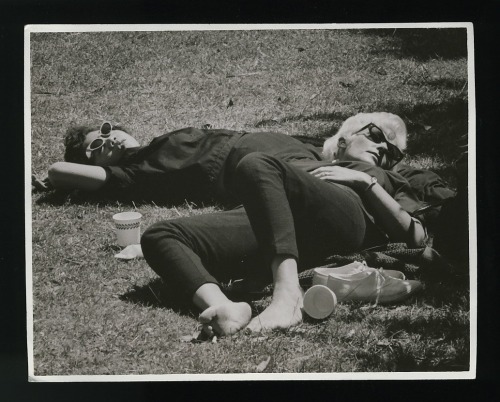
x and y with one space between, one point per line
40 184
395 221
338 174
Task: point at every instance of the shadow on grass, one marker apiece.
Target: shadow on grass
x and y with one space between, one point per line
78 197
404 359
438 326
423 44
433 129
436 130
75 197
336 117
159 295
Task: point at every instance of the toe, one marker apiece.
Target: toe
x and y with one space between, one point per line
207 329
208 315
253 326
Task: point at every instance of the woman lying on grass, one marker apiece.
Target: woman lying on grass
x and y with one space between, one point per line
294 216
183 164
187 164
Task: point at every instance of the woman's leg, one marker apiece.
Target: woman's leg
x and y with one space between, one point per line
293 213
285 309
192 252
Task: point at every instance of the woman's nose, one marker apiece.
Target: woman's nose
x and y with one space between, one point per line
382 146
110 141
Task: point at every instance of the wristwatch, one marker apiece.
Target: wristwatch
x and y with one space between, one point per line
373 181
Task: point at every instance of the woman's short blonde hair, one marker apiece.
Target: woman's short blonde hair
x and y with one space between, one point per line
392 125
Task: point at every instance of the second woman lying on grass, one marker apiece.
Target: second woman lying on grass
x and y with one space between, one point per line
187 164
293 216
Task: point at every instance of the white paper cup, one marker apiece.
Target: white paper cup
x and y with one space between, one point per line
319 302
128 228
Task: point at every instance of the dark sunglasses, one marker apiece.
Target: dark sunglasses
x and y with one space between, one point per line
375 134
104 132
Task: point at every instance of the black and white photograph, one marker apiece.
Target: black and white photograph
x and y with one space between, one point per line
250 202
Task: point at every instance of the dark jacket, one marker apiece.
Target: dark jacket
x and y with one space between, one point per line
189 164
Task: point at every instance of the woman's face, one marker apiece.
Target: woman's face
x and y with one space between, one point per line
113 147
360 148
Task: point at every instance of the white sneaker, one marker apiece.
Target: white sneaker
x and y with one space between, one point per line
371 286
321 275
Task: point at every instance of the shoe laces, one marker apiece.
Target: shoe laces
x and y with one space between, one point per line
379 285
380 280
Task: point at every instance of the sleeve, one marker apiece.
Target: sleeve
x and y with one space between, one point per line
398 188
432 189
121 177
416 222
121 183
429 186
118 178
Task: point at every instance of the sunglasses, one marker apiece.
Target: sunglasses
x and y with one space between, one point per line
104 132
376 135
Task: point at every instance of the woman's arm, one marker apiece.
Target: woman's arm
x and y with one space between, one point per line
77 176
396 222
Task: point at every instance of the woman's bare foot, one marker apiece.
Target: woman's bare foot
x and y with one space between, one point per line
285 310
226 319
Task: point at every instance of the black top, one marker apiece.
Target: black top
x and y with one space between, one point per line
193 164
189 163
394 183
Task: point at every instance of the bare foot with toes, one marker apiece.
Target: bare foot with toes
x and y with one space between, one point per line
225 319
285 310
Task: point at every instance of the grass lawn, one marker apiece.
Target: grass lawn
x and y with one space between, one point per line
96 315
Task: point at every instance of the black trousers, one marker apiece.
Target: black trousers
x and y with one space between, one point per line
286 211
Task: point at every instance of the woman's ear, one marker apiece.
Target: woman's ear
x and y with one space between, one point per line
341 144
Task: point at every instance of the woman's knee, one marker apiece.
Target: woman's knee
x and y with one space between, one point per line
156 234
252 166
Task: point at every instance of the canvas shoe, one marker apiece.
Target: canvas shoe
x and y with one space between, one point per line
320 276
371 286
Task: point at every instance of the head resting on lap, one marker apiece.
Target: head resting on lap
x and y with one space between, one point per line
392 125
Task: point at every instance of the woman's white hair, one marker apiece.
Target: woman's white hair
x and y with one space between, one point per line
392 125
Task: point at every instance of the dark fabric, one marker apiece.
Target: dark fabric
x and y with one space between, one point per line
291 212
278 145
431 189
451 237
395 184
301 216
189 163
208 248
183 164
287 206
427 185
452 225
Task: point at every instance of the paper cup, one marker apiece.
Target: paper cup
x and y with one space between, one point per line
319 302
128 228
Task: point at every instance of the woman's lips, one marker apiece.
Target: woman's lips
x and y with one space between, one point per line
375 155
